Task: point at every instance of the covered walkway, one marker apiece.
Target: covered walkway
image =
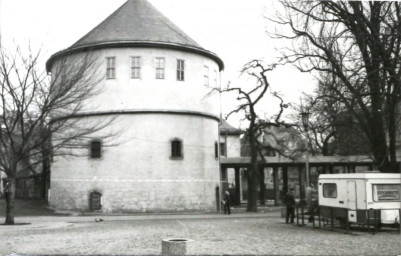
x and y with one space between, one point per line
278 173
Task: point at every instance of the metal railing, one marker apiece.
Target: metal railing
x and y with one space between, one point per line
373 218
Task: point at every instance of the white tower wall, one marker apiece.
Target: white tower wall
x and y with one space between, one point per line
136 173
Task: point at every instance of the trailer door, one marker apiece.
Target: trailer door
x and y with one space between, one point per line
351 195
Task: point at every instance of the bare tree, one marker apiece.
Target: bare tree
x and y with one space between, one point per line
332 129
39 116
358 45
248 101
324 118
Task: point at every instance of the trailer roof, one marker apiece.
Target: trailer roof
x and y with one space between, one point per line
362 175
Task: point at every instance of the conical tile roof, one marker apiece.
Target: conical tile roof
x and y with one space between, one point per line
136 20
136 23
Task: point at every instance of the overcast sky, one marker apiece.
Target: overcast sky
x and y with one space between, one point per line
233 29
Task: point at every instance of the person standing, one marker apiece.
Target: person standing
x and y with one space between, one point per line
290 203
226 203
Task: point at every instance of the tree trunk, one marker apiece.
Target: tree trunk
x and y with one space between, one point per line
252 189
262 185
252 176
378 143
10 202
45 156
392 123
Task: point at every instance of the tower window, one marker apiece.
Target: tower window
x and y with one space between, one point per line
216 150
160 63
180 70
215 78
136 67
176 149
206 75
111 67
96 149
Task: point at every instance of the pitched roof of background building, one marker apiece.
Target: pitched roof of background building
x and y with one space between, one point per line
226 128
136 23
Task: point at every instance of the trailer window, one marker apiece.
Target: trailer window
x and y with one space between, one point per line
386 192
330 190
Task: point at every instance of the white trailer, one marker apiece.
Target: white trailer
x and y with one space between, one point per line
360 197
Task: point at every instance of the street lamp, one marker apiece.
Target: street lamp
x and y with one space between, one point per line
305 122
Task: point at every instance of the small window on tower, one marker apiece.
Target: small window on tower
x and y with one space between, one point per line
180 70
96 149
206 75
111 67
136 67
216 150
176 149
160 63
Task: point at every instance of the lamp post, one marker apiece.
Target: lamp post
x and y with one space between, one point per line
305 122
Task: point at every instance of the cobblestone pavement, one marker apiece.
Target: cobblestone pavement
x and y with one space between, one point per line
211 234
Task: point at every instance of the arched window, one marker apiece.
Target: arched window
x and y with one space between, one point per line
176 149
96 149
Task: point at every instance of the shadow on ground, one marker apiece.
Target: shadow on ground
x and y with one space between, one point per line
28 208
25 208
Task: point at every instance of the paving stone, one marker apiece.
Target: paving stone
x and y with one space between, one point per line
211 234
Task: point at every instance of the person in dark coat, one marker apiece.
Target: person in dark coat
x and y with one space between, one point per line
7 190
290 203
226 203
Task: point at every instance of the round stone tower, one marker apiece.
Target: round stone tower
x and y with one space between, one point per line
156 86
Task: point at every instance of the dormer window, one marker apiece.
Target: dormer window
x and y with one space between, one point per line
111 68
160 66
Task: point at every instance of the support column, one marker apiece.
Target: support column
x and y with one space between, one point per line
276 185
285 179
325 169
331 169
224 184
237 187
301 183
262 186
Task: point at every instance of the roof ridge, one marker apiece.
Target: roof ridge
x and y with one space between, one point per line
171 24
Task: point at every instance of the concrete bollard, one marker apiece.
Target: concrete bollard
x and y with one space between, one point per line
175 246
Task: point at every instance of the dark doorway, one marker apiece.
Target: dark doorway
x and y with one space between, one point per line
95 201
